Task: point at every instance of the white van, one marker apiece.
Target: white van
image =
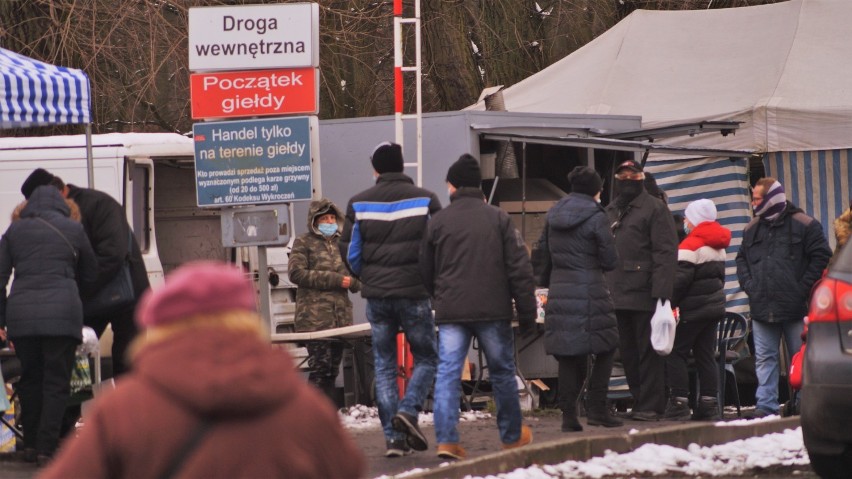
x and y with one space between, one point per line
153 176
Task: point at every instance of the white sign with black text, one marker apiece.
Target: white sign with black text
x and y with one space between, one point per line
254 36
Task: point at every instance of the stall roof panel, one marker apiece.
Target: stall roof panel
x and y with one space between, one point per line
781 69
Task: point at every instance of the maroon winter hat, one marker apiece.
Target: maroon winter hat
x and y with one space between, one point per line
203 287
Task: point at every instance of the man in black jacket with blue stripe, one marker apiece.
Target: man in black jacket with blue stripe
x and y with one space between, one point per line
380 242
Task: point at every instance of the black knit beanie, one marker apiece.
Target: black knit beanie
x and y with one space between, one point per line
39 177
585 180
387 158
465 172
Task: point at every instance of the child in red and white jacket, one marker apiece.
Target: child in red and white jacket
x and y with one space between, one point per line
699 293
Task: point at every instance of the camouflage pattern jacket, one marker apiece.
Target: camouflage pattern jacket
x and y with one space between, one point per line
318 270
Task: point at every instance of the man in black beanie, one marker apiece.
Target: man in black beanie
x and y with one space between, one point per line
380 241
474 263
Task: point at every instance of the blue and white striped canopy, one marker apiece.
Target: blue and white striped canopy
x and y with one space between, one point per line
34 93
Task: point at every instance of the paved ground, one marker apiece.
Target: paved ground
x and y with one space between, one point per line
480 438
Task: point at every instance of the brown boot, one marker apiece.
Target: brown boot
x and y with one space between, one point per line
526 438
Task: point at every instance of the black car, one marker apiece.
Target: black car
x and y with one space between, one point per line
826 404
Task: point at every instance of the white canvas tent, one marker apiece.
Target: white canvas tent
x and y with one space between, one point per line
782 70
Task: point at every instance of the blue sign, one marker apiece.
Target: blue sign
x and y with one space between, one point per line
253 162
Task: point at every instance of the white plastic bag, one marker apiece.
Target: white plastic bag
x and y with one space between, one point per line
663 326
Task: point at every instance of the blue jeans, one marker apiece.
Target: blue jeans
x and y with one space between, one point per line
414 316
767 339
496 340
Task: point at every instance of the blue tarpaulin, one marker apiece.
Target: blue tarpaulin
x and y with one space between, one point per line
34 93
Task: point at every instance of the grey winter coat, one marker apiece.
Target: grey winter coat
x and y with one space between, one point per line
646 242
44 298
577 247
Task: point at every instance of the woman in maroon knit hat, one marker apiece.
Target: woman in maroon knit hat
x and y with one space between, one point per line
205 375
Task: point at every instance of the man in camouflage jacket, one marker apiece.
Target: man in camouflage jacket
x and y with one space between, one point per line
322 299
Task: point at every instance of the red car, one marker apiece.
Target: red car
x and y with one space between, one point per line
826 404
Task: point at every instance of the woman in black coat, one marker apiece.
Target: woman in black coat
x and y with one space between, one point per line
576 248
43 315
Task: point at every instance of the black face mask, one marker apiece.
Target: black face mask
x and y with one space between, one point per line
627 190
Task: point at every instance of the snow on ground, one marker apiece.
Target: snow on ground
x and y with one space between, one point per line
732 458
363 417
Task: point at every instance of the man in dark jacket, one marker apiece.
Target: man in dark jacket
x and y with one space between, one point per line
106 226
646 242
783 254
381 237
474 263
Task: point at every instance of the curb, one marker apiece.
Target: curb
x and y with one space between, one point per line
582 449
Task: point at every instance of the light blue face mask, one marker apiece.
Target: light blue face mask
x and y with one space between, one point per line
327 229
686 228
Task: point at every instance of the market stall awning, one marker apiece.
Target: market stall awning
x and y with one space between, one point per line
34 93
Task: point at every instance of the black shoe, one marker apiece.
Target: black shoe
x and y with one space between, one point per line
707 410
42 460
645 416
30 455
406 423
397 448
570 423
677 410
605 419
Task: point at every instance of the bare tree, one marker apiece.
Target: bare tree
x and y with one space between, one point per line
135 51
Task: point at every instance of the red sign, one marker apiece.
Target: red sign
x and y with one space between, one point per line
254 93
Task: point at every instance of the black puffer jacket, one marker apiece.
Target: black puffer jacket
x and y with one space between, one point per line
699 289
381 237
779 262
474 262
646 242
579 318
44 299
106 226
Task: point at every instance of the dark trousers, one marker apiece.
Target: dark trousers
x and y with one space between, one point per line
572 375
644 368
124 330
44 388
699 337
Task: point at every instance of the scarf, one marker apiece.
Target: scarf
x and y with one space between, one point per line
774 203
